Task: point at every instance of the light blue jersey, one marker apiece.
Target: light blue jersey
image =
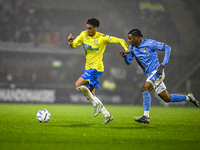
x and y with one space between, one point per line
146 56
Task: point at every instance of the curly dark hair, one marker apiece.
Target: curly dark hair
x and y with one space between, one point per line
136 32
94 22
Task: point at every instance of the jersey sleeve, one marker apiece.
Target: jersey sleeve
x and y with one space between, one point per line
78 41
115 40
128 59
167 50
155 45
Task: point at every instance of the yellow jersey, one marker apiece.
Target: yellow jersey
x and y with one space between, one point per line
94 48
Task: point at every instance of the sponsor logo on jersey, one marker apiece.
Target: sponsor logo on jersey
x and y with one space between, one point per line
142 55
89 47
110 37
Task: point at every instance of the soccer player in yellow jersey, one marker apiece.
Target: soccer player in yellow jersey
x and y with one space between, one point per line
94 44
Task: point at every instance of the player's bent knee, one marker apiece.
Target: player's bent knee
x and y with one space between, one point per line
81 88
76 85
85 91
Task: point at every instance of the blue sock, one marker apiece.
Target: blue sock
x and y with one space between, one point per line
146 100
177 98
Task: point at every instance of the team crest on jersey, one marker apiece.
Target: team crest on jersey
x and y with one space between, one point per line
144 49
95 41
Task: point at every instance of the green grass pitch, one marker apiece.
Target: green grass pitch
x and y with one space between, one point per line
73 127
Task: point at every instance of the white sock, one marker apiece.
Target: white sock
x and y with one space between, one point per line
103 109
146 113
187 98
86 92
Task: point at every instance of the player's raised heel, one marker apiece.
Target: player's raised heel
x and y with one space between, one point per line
97 109
143 119
193 100
108 119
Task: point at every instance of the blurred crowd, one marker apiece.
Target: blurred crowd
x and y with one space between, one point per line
17 22
154 15
20 23
23 22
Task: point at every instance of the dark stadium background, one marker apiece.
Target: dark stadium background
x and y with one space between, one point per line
37 65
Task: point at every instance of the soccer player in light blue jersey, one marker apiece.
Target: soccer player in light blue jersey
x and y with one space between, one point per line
144 51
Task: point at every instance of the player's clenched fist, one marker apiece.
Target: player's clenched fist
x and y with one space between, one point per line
123 53
70 38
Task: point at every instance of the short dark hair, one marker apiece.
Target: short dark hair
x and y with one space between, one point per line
94 22
136 32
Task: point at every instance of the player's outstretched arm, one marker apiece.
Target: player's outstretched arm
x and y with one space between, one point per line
127 58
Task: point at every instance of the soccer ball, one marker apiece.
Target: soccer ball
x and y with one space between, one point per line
43 115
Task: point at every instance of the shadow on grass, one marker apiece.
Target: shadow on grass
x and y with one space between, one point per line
134 127
75 125
96 125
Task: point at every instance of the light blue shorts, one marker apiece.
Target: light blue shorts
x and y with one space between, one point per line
92 76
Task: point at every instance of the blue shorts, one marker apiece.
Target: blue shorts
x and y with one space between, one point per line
92 76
